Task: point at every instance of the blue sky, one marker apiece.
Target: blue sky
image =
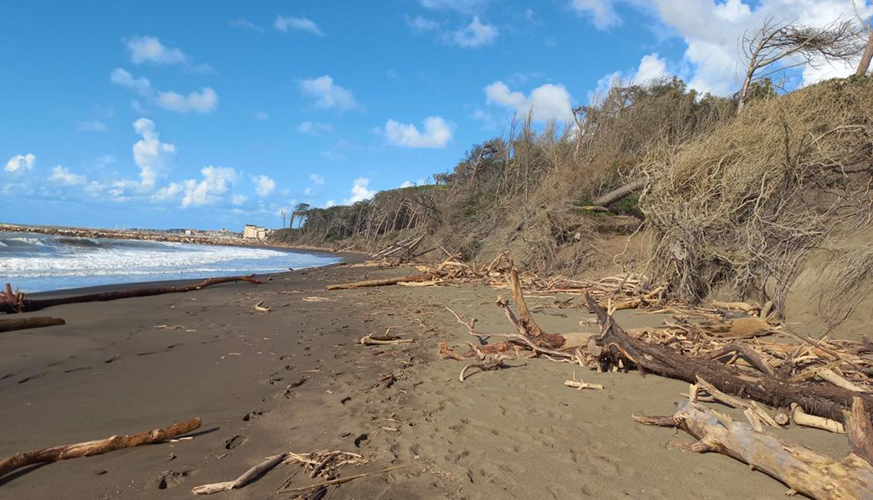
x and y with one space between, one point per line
215 113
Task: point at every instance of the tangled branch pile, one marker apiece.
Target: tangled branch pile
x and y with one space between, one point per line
746 204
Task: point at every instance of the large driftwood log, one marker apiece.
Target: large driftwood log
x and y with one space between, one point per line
98 447
9 325
803 470
383 282
19 302
816 399
617 194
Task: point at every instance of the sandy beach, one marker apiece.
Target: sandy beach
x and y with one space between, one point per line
294 379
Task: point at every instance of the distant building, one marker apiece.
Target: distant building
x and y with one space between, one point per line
254 232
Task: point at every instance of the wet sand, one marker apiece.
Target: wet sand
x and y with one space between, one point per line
133 365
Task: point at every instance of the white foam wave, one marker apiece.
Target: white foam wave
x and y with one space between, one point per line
181 259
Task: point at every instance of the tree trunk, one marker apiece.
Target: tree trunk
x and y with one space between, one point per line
383 282
617 194
9 325
864 65
803 470
15 303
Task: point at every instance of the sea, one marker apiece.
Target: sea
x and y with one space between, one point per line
37 263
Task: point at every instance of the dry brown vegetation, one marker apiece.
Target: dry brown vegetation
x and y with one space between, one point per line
731 200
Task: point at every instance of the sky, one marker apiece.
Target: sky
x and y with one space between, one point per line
214 114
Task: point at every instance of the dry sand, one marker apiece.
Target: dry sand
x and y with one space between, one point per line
134 365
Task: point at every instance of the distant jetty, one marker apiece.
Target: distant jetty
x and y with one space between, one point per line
191 236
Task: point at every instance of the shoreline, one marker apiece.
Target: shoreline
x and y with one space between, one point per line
160 236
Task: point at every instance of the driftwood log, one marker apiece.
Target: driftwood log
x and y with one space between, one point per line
803 470
247 477
9 325
614 344
383 282
98 447
19 302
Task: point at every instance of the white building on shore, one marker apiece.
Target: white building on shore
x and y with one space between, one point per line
253 232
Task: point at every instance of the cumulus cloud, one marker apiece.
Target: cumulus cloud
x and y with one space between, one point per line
149 153
284 24
238 199
360 191
601 12
216 182
204 101
474 35
711 30
330 203
436 133
546 102
264 186
314 128
327 94
62 175
19 164
150 49
317 179
122 77
651 68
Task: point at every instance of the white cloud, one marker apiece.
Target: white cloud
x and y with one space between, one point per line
419 23
244 23
141 86
360 191
307 191
711 31
314 128
90 126
437 133
62 175
216 182
332 156
474 35
261 116
458 5
238 199
204 101
264 186
20 163
168 192
327 94
546 102
150 49
651 68
283 24
317 179
330 203
149 153
601 12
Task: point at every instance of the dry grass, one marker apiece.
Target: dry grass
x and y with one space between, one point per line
746 204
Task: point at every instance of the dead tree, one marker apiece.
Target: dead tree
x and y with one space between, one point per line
864 65
776 47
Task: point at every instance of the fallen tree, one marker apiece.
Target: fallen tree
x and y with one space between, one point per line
9 325
19 302
616 346
383 282
98 447
803 470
